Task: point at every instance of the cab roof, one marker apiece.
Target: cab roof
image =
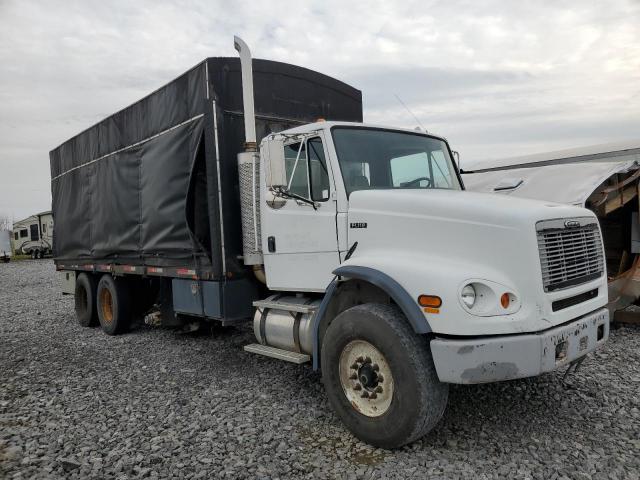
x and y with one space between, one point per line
327 126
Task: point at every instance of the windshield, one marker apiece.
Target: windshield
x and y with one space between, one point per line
383 159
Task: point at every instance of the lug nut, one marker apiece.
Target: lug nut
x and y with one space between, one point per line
353 376
378 389
354 366
367 360
373 396
357 386
375 367
364 394
360 359
380 378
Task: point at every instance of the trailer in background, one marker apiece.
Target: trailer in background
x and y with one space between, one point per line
5 246
602 178
34 235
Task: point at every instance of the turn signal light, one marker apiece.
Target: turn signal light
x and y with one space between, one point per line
505 300
430 301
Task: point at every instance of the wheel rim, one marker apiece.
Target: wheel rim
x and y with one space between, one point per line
106 306
366 378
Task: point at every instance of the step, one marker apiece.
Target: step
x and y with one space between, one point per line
289 307
278 353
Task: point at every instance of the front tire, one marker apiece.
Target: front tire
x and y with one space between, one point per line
379 376
114 305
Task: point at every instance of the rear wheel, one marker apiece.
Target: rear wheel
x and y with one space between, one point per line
379 376
85 300
114 305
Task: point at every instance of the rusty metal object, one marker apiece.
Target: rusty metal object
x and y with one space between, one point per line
624 289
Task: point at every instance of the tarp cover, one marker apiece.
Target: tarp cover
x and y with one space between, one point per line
119 188
157 183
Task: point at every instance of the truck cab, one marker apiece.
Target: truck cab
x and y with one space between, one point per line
371 228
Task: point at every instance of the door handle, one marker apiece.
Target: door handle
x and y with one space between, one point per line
271 244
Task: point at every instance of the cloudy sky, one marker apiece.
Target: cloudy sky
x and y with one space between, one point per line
497 78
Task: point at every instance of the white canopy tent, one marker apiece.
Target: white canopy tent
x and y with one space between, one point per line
603 178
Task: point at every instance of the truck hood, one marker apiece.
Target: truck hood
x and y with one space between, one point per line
461 206
437 241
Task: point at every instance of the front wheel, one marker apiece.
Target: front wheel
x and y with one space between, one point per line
379 376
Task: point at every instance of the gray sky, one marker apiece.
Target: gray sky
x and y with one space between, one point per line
497 78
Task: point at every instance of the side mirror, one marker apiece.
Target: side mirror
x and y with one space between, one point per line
272 153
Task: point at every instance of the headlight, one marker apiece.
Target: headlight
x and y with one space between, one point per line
485 298
468 295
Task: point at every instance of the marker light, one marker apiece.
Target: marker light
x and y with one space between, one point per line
431 301
505 300
468 295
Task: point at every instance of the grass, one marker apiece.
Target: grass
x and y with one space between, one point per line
20 257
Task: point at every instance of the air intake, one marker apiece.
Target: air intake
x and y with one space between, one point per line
570 252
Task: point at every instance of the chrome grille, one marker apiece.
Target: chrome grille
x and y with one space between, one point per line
569 255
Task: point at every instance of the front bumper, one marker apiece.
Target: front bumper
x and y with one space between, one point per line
493 359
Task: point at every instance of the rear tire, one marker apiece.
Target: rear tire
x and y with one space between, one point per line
365 343
114 305
85 300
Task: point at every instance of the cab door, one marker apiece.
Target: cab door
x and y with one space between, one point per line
299 240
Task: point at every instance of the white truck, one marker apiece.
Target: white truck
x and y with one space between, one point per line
372 263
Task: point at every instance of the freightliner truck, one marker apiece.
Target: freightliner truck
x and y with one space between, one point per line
251 189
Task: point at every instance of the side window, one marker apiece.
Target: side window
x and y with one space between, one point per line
307 173
296 163
15 235
24 233
318 170
44 228
411 171
441 173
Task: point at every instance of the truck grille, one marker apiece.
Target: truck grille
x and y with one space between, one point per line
570 252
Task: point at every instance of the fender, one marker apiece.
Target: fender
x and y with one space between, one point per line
381 280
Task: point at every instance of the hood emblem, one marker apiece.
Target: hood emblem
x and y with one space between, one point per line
572 224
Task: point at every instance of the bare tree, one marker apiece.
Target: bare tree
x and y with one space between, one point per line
5 223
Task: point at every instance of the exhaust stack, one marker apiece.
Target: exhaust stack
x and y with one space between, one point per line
249 167
247 93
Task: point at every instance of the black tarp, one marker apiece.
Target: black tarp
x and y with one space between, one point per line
141 187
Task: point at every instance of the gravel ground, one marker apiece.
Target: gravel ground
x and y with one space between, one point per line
76 403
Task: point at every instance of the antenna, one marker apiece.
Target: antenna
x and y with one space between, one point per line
410 112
